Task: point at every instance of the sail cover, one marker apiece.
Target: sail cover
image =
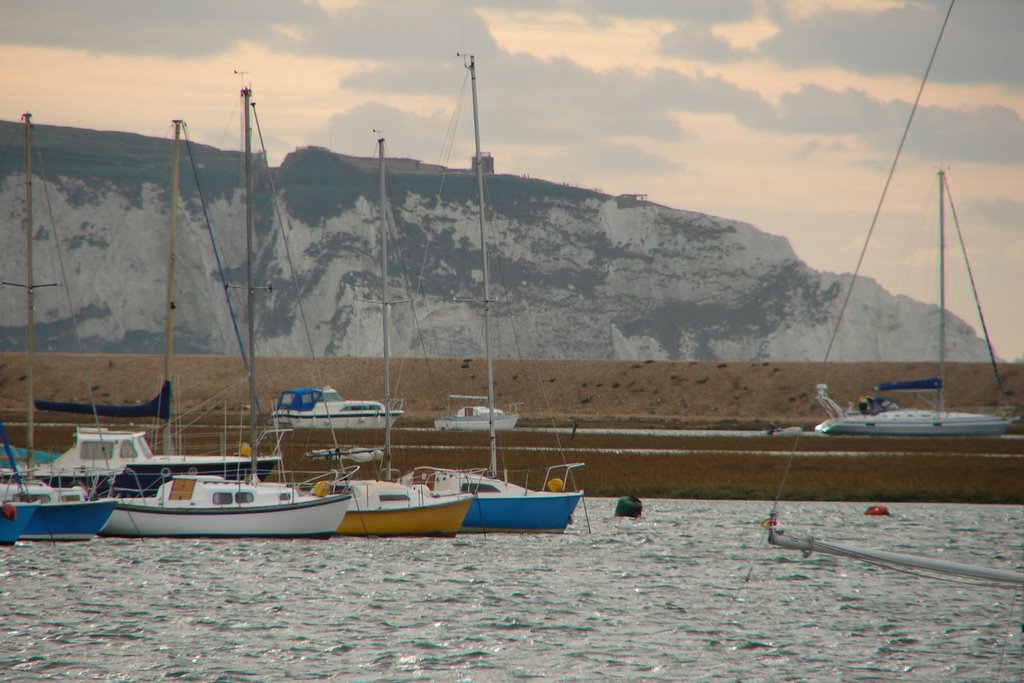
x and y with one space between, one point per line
930 384
303 398
159 407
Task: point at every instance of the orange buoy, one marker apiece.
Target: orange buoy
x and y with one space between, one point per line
877 511
10 512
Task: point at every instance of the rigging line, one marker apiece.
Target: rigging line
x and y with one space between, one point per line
287 249
413 294
974 292
67 290
391 225
507 288
871 230
216 251
888 181
443 161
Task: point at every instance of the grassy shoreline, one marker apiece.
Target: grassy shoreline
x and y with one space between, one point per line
652 465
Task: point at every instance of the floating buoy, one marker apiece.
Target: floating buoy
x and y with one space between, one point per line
877 511
629 506
555 485
10 512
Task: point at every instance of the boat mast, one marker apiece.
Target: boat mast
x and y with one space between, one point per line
250 290
171 256
942 292
493 469
386 305
30 334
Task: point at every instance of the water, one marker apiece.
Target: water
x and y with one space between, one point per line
667 599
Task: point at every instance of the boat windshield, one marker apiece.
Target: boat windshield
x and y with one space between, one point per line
331 395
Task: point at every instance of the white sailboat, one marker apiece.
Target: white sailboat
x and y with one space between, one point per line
64 513
477 418
211 506
500 505
384 507
881 416
121 463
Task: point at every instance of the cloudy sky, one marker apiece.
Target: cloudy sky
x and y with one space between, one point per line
786 114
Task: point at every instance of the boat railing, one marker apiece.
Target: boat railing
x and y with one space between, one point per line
826 402
332 479
568 480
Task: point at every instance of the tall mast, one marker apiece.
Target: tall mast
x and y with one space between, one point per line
386 305
942 291
250 290
493 469
171 257
30 341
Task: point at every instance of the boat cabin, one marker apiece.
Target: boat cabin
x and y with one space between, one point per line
100 448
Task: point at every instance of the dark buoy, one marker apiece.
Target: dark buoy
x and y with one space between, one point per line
629 506
877 511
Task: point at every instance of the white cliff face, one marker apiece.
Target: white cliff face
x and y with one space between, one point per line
575 275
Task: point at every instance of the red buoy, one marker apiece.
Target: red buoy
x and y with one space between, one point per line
10 512
877 511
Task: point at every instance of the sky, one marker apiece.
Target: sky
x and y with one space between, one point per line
786 114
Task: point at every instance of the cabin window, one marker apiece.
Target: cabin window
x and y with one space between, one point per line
244 497
96 450
479 488
38 498
284 497
331 396
126 452
71 498
221 498
390 497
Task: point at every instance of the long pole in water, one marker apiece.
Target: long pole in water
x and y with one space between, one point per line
782 540
493 469
386 304
250 290
171 258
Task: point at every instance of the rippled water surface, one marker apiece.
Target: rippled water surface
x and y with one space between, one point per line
689 593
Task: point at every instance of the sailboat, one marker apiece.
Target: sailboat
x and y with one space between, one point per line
881 416
14 515
64 514
121 463
211 506
500 505
477 418
386 507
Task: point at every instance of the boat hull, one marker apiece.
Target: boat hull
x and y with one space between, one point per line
475 423
367 421
439 519
69 521
11 530
916 423
536 512
313 518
